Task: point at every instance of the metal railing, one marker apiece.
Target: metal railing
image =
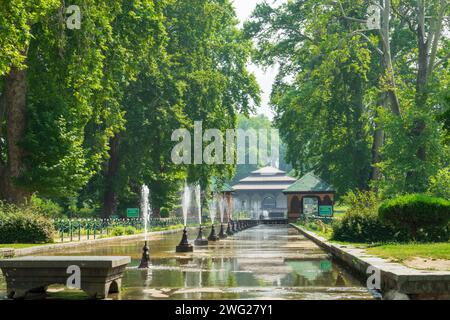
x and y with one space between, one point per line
77 229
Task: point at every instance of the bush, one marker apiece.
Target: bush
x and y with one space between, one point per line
362 202
120 231
129 230
422 217
164 213
361 222
362 227
24 225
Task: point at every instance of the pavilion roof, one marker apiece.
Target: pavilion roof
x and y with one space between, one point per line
309 183
267 178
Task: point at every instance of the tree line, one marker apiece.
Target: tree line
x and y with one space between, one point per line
87 114
363 108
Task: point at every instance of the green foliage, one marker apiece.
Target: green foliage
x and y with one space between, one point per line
121 231
422 217
164 213
317 226
400 152
362 227
361 222
333 100
256 123
47 207
24 224
320 113
362 201
439 185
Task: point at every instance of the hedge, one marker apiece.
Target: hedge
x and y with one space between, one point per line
25 227
422 217
362 227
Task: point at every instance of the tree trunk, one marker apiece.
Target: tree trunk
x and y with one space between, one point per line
416 178
387 58
378 141
110 198
15 92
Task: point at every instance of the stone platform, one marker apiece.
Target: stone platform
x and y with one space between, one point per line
99 275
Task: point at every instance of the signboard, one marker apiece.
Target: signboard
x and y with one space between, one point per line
132 213
326 211
114 216
325 265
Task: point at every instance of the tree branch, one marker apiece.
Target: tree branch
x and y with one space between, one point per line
368 40
436 35
443 60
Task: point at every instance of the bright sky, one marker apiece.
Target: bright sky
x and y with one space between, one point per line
244 9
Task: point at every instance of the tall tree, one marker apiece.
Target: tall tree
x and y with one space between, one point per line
53 89
328 57
319 92
200 75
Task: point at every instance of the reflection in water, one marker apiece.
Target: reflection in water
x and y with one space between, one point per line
264 262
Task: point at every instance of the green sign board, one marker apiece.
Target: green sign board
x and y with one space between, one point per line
325 265
132 213
114 216
326 211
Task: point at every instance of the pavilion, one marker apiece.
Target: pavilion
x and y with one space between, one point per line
269 193
261 193
309 195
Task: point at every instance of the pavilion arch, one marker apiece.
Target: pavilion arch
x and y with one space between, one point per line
269 202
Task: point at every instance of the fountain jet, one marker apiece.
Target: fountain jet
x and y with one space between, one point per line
145 209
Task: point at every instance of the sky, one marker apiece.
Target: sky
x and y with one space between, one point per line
244 9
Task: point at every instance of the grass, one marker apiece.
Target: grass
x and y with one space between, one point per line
393 251
403 251
20 245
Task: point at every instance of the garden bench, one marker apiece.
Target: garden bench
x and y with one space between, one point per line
98 275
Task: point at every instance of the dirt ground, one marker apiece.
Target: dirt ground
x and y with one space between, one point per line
428 264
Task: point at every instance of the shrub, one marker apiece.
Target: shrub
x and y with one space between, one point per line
362 201
361 222
362 227
120 231
422 217
129 230
164 213
24 225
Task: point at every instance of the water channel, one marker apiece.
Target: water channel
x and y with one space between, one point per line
263 262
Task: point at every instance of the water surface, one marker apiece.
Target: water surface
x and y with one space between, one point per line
264 262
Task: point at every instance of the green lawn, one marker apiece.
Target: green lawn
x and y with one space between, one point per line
401 251
395 251
20 245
